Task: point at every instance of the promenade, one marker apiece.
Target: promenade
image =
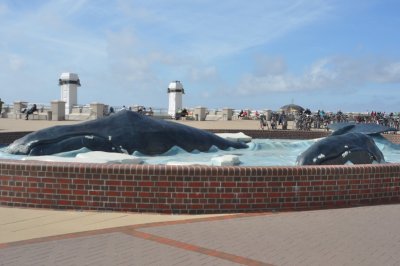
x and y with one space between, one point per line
8 124
351 236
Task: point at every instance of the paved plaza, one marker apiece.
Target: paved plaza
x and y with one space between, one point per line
350 236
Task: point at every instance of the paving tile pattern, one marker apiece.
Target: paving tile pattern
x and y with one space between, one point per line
105 249
352 236
355 236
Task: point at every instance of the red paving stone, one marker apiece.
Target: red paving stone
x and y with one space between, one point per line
352 236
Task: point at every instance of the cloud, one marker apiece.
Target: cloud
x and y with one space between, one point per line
135 48
133 63
325 74
10 63
203 74
268 65
3 9
198 28
277 79
386 73
16 62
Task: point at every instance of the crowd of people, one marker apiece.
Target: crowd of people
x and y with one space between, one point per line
380 118
302 120
139 109
306 120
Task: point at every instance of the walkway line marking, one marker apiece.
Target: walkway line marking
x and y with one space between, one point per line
198 249
131 227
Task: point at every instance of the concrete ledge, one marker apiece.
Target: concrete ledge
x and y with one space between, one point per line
39 116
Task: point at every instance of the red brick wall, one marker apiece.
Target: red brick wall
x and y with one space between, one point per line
395 138
195 189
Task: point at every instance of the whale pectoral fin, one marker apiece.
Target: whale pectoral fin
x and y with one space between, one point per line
361 157
96 143
93 143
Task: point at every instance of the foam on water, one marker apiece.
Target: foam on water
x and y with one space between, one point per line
261 152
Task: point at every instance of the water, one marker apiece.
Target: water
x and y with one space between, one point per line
261 152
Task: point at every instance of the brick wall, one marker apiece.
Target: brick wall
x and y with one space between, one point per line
395 138
196 189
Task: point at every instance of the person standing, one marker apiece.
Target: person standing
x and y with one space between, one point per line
263 121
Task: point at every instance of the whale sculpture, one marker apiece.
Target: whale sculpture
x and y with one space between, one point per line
123 132
349 143
354 148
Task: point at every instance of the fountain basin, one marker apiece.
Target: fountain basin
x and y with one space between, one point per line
197 189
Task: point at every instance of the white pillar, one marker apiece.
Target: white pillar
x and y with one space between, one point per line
69 83
97 109
18 106
175 91
227 113
200 113
58 110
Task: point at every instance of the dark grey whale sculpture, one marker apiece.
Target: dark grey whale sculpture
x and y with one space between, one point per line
357 148
125 131
349 143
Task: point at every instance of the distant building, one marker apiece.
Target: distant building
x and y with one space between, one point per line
175 91
292 108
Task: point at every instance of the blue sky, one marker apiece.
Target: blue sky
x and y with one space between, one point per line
262 54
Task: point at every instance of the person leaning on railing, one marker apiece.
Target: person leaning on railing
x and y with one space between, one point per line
1 106
30 111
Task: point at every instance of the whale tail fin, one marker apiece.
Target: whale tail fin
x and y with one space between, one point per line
368 128
341 129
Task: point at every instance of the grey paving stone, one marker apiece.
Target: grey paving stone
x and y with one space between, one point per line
106 249
353 236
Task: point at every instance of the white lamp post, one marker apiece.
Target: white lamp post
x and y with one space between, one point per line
69 83
175 91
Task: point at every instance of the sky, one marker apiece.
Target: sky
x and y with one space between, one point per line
259 54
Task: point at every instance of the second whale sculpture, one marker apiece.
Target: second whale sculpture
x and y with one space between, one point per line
350 143
354 148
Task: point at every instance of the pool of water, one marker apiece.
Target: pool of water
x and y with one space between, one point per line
261 152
